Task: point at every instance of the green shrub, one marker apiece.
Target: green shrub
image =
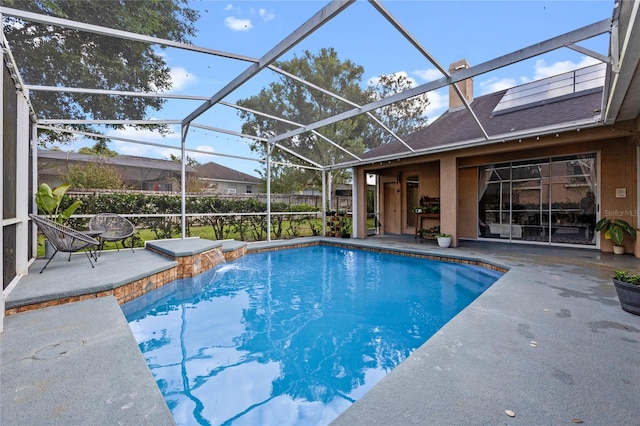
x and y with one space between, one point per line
245 227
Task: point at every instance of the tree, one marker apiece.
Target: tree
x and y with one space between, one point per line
99 148
55 56
294 101
98 175
404 117
193 184
191 162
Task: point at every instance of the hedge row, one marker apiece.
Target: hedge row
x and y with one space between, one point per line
249 227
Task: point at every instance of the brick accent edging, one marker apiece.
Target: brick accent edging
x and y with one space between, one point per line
187 267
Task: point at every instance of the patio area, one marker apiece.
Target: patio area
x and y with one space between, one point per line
547 341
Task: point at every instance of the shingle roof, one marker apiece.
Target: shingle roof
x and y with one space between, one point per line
459 126
216 171
120 160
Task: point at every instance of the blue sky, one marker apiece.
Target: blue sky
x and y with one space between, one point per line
477 31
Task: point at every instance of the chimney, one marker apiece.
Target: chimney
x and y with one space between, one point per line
465 86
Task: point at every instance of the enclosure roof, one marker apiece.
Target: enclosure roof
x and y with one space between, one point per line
620 97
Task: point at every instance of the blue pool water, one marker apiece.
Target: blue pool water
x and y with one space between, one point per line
293 336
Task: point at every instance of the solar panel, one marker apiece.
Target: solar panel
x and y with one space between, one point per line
553 88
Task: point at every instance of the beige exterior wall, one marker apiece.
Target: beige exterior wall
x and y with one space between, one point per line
467 202
619 171
449 197
453 177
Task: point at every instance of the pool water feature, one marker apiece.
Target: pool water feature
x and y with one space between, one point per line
293 336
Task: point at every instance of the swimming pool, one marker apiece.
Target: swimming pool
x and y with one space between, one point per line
293 336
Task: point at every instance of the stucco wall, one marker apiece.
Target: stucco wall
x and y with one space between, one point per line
468 202
617 157
619 170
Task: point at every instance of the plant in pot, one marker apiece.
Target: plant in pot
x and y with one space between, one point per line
444 240
48 201
628 289
345 226
430 233
615 230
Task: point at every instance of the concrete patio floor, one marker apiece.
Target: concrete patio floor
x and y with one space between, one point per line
547 341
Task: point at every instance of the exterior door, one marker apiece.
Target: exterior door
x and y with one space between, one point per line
391 212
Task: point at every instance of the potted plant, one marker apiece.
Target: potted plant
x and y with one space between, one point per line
48 201
628 288
345 226
444 240
615 230
430 233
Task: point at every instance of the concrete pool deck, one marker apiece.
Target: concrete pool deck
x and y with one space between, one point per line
547 341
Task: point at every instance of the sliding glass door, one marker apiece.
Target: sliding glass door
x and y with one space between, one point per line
549 200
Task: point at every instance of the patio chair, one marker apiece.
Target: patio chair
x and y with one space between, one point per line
65 239
112 227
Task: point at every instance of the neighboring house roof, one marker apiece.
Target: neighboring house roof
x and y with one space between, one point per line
458 128
218 172
120 160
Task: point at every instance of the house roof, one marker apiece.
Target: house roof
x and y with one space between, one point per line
120 160
459 128
219 172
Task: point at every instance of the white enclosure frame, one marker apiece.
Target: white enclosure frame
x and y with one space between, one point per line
324 15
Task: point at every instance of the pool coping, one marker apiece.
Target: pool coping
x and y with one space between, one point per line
181 258
362 245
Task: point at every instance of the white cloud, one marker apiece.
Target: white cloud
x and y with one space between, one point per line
266 16
144 135
429 74
202 158
496 84
438 103
228 7
237 24
146 151
181 78
542 70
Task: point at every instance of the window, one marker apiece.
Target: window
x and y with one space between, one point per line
249 189
231 190
548 200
